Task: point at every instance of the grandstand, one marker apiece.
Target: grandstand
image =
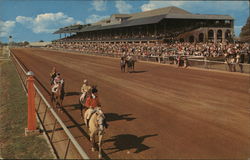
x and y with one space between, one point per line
160 25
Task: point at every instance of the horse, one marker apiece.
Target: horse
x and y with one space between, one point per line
96 125
57 96
240 58
123 64
230 59
130 63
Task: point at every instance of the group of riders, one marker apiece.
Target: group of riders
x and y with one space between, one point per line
89 98
94 118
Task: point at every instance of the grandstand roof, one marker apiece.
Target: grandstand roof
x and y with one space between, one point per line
160 11
142 18
70 29
198 16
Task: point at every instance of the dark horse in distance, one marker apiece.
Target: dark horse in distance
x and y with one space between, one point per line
128 61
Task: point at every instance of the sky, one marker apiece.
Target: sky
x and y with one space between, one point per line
35 20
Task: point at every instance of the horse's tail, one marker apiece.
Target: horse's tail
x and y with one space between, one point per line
52 97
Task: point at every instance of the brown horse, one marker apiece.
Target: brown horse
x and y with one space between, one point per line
58 95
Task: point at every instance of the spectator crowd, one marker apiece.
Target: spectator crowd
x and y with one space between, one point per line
158 49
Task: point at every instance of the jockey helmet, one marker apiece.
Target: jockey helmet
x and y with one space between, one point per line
58 74
94 90
85 81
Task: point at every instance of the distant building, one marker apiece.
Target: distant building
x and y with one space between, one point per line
39 44
161 25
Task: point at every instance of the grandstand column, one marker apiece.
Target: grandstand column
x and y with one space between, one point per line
206 35
223 35
215 36
155 30
147 29
165 27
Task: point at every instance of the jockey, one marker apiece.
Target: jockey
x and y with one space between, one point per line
52 75
56 82
129 57
57 78
84 89
92 103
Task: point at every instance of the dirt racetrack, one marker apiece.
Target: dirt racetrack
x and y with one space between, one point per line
158 112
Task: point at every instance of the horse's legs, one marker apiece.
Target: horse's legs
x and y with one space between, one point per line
52 97
61 100
100 144
81 109
92 140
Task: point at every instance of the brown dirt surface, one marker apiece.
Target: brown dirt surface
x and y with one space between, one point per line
159 111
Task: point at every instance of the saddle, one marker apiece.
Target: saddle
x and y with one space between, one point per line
105 124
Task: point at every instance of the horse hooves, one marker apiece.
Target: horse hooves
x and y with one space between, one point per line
100 156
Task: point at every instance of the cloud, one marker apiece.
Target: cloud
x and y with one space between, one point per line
123 7
99 5
94 18
47 22
160 4
6 27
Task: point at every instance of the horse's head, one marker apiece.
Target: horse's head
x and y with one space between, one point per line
100 118
62 82
60 87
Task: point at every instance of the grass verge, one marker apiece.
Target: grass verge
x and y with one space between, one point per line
13 119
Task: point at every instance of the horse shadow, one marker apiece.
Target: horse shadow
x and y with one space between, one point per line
115 117
75 106
128 141
72 93
137 71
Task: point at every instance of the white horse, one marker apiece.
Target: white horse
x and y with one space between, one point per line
96 127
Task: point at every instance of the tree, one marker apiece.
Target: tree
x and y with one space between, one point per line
245 32
41 41
25 43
